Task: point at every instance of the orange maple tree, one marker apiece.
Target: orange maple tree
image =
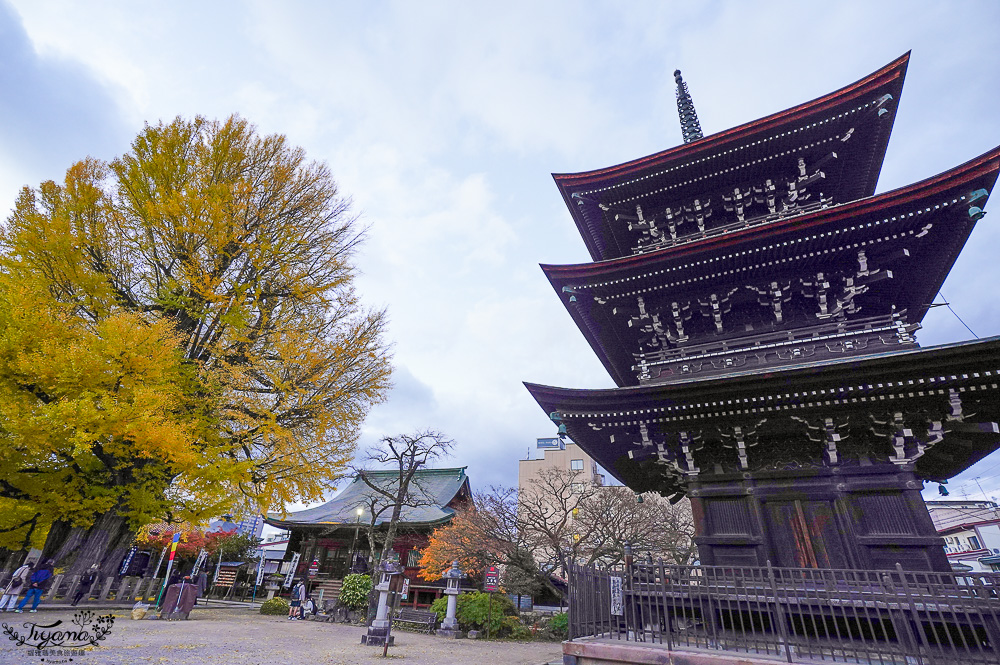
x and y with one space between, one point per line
464 540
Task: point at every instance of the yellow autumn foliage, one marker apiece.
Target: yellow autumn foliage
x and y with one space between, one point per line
180 333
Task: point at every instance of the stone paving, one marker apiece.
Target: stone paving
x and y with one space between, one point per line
243 637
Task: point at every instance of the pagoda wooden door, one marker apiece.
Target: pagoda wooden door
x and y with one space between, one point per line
804 534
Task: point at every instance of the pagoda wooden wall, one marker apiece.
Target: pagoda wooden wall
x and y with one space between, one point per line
867 517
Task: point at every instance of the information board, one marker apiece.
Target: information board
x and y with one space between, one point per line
491 580
227 576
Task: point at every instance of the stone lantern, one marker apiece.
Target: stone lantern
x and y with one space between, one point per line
379 629
449 627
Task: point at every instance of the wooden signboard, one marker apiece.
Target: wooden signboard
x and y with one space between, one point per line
227 576
491 581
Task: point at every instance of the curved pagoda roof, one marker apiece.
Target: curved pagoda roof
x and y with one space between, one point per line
949 390
851 125
433 489
914 234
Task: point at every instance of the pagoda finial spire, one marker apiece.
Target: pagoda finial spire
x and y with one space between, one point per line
690 126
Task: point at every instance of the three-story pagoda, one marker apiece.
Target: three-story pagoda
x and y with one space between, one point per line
756 304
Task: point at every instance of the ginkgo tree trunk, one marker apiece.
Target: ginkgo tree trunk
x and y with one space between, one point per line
231 257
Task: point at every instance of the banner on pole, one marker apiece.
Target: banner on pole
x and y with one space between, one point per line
128 560
173 545
260 570
199 562
291 571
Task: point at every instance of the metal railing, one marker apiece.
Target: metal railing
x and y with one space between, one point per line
857 616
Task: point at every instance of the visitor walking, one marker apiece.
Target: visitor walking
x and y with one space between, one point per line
202 584
39 584
86 582
16 585
303 594
295 606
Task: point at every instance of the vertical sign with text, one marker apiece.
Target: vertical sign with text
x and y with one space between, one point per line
260 570
491 579
617 605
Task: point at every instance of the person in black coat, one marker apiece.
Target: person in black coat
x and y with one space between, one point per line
86 582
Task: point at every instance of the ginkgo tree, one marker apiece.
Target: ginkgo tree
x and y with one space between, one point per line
182 335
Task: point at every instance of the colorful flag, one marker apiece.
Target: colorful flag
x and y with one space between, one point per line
173 545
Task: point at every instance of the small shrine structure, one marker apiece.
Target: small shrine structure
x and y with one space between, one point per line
757 305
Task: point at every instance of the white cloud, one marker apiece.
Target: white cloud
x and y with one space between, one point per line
444 120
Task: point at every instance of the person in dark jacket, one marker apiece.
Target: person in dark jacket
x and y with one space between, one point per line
86 582
202 584
38 584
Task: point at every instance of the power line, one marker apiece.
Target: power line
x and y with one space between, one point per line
948 305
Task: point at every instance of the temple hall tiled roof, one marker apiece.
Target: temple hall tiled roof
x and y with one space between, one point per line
434 489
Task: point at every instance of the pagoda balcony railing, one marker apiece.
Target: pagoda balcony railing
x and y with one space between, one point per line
793 614
729 227
844 332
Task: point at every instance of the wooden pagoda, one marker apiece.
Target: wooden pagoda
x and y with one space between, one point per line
756 305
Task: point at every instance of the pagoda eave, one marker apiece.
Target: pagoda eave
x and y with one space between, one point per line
954 386
984 166
914 234
805 123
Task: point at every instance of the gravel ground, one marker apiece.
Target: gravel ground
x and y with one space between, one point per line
241 637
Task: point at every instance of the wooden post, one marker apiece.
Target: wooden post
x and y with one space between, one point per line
123 588
107 588
137 589
489 615
54 588
74 582
154 584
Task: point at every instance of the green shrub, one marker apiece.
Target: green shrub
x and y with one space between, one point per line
559 624
514 628
354 593
472 611
274 606
440 605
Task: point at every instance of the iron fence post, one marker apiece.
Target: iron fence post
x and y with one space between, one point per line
778 613
918 646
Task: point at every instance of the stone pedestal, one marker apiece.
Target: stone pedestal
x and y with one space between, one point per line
449 633
449 627
380 627
376 637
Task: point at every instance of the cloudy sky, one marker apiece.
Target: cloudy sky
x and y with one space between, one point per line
443 121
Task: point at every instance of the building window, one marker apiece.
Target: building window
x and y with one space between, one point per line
577 488
413 558
576 465
974 543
